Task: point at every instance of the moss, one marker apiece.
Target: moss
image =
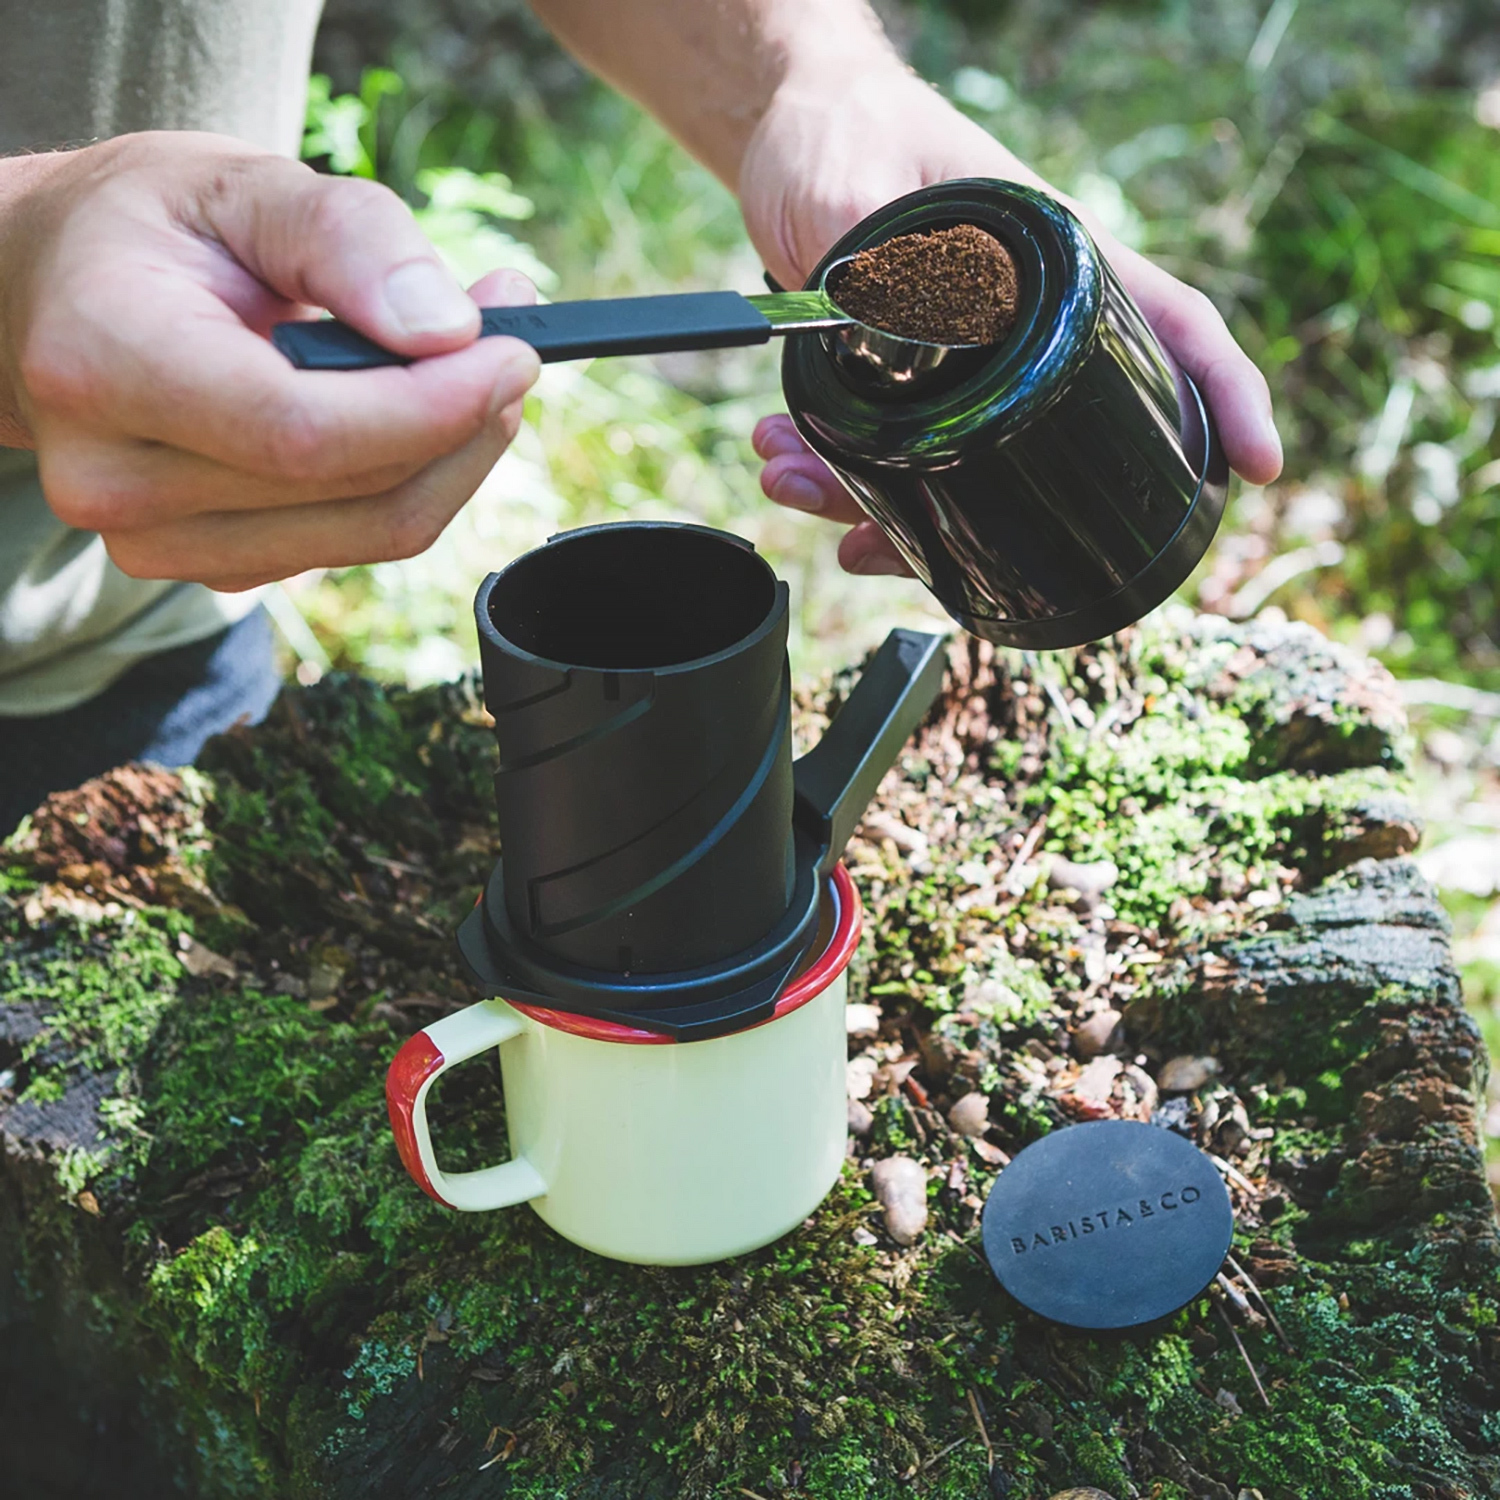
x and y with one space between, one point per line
1183 805
1356 1411
103 989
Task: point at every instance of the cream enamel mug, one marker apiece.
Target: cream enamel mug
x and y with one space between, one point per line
633 1145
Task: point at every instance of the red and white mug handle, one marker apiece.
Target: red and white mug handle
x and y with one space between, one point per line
422 1060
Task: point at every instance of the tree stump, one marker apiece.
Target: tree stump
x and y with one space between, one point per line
1163 878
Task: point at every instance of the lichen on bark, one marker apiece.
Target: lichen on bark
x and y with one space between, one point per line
210 1252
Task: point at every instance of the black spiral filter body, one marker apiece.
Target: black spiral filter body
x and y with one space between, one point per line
661 857
1060 484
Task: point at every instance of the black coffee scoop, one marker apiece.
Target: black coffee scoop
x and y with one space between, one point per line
1111 1224
663 861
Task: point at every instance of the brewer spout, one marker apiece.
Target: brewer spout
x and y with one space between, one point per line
835 780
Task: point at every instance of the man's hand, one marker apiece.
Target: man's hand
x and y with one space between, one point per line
834 146
137 281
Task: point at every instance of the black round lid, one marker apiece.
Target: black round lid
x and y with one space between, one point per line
1107 1225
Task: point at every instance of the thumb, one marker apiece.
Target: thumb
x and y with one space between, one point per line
342 243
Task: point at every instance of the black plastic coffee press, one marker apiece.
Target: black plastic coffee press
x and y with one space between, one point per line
1049 489
662 858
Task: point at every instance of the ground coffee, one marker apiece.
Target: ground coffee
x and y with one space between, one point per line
952 286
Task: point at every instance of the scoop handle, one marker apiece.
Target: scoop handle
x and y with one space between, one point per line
836 779
557 330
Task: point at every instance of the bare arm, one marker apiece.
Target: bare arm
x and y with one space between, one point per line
709 69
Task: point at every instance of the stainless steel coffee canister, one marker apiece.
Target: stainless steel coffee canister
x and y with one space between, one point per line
1051 489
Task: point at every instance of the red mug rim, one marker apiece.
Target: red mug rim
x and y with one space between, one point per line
807 985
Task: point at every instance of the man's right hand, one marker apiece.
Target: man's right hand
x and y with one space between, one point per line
138 279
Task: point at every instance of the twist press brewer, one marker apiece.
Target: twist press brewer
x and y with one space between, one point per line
667 922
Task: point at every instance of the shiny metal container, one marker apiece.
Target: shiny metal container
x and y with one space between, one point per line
1049 490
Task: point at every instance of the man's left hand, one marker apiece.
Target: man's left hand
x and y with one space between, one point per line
828 152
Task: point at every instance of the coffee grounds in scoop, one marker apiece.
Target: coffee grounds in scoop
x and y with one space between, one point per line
952 286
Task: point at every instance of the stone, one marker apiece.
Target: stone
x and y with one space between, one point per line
900 1187
329 965
862 1020
1088 882
970 1116
200 960
1095 1035
990 1155
1138 1093
1097 1081
860 1118
860 1076
879 825
1181 1075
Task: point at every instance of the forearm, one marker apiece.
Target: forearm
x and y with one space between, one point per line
708 69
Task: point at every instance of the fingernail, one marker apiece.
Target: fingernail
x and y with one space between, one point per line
521 369
872 564
1270 434
426 299
517 290
799 493
771 438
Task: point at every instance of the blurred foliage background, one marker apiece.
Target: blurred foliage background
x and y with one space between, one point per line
1328 172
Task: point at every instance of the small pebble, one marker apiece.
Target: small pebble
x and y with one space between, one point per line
200 961
970 1116
1097 1081
1095 956
1181 1075
860 1076
1093 1036
900 1186
860 1118
879 825
1090 881
862 1020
